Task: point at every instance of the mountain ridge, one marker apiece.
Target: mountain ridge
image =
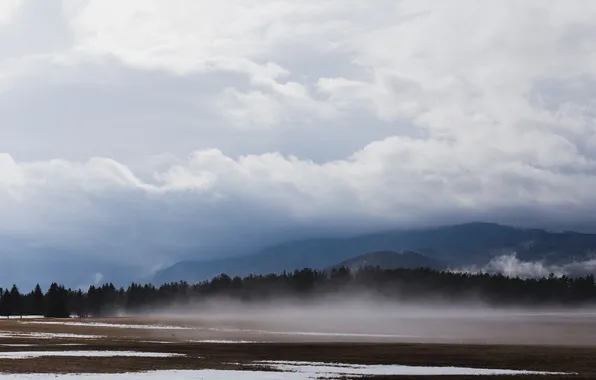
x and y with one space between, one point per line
459 245
392 260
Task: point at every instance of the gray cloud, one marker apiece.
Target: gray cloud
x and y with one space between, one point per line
136 134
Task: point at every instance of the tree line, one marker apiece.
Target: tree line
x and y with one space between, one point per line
397 284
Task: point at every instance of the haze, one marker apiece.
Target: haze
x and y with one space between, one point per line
366 318
136 134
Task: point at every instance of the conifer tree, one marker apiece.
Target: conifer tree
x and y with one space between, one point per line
56 300
5 304
16 307
37 304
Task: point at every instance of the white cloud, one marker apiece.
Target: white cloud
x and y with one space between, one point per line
510 265
7 9
175 122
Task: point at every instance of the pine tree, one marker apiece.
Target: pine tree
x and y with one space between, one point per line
79 304
56 302
37 307
16 302
5 304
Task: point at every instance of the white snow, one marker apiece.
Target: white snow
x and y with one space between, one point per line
68 344
38 354
161 375
43 335
223 341
303 372
111 325
16 317
17 345
34 345
318 370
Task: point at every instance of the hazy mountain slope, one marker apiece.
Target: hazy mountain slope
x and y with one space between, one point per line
460 245
393 260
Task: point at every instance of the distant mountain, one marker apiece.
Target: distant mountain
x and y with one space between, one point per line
393 260
459 245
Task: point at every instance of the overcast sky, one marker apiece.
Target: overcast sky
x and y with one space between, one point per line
135 132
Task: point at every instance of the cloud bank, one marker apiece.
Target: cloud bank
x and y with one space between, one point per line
139 133
511 266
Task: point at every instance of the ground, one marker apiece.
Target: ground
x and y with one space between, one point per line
220 346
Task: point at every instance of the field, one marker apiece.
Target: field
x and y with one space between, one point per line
189 348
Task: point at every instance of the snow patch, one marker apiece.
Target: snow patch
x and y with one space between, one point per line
303 372
224 341
325 370
111 325
34 345
43 335
17 317
161 375
39 354
17 345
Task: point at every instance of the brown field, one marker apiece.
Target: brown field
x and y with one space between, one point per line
525 352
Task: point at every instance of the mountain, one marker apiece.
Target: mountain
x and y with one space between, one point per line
393 260
458 246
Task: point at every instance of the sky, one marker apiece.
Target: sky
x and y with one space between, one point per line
137 133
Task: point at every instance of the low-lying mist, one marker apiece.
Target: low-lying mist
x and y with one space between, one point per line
363 317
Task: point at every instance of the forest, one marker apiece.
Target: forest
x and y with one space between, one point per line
392 284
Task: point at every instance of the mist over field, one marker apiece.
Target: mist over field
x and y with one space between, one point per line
364 317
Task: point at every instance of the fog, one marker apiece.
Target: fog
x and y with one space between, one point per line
364 318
